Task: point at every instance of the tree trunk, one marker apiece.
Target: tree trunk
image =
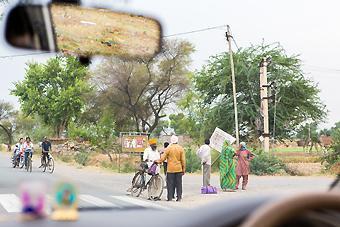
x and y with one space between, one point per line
9 134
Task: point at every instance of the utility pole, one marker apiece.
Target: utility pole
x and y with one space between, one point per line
229 37
264 101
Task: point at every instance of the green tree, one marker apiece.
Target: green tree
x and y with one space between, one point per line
7 117
297 97
101 134
138 91
54 91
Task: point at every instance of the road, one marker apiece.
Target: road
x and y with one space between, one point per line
100 188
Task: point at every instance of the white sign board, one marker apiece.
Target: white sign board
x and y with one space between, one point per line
218 137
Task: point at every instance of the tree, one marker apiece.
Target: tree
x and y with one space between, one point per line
140 90
7 114
54 91
297 97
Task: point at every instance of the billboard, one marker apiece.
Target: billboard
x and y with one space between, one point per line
134 143
218 137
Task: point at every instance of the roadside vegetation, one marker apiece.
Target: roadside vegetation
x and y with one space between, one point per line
89 107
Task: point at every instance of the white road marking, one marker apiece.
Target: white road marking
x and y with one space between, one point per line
10 202
96 201
139 202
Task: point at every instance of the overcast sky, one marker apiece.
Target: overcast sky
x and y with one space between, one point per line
308 28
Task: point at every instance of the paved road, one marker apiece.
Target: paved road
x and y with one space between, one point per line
102 188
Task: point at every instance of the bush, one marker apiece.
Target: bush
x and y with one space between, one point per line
66 158
332 156
193 162
215 166
128 167
266 164
82 158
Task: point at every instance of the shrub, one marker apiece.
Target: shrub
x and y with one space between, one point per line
215 166
332 156
82 158
266 164
66 158
193 162
128 167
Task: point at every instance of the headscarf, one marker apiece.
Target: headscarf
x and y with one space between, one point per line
243 146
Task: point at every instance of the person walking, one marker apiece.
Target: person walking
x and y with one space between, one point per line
204 152
244 156
175 156
227 168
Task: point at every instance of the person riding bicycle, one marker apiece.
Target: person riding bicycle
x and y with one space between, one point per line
46 147
28 149
18 148
151 154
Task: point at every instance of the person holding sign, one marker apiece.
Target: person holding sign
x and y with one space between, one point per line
244 156
227 167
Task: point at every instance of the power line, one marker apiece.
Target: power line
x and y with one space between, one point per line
23 55
177 34
195 31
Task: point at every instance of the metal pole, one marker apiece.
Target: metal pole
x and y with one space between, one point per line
229 37
264 102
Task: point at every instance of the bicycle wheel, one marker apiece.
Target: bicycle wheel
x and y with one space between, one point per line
50 164
43 163
155 187
21 162
14 161
137 184
29 164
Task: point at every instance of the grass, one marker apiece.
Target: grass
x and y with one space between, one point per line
290 149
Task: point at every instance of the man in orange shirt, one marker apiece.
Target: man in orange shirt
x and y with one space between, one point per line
174 153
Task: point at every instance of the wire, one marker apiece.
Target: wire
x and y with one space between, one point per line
23 55
195 31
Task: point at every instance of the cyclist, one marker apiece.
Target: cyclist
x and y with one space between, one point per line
46 147
28 149
17 148
151 154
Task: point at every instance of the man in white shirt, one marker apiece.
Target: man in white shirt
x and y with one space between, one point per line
204 152
151 154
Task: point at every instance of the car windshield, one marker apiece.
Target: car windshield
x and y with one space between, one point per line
239 102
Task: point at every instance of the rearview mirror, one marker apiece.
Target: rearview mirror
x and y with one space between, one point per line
74 30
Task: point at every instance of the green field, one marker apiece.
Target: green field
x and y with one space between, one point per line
291 149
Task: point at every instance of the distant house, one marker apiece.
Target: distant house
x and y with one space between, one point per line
166 134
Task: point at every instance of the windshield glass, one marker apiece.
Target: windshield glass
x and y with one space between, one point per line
241 101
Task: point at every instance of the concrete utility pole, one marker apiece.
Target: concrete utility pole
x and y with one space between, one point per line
229 37
264 101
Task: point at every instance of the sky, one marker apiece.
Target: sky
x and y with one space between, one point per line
307 28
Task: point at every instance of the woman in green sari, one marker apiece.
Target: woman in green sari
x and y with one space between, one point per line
227 168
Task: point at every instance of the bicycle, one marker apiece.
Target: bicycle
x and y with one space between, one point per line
21 160
49 164
154 184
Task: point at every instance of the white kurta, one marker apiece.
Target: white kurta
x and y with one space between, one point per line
205 154
151 156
